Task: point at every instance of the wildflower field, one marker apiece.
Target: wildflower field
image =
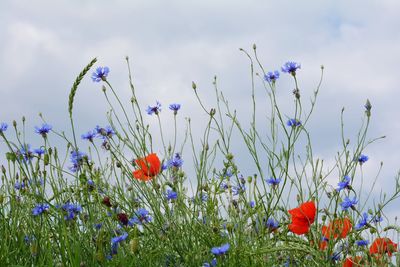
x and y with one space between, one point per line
132 196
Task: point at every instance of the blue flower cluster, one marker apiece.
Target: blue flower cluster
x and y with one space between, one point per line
175 162
72 210
217 251
141 217
76 159
39 209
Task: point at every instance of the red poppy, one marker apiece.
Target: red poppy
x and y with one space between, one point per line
148 167
302 217
383 245
337 228
350 262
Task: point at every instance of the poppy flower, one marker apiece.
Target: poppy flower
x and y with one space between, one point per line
148 167
383 245
337 228
302 217
353 262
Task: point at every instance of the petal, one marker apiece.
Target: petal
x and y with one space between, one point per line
298 229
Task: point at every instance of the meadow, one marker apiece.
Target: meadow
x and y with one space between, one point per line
127 198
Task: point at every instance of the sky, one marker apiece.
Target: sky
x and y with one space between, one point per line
44 44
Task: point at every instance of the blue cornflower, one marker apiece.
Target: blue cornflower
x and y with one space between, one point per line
170 194
90 182
26 152
362 222
176 161
90 135
204 197
362 243
98 226
220 250
19 185
3 127
236 190
377 219
141 216
348 203
154 109
272 224
100 74
362 159
273 181
44 129
290 67
252 204
175 108
72 210
76 159
116 240
344 184
336 256
213 263
109 131
293 123
40 208
223 186
271 76
39 151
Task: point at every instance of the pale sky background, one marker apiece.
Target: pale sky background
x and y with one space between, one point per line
45 44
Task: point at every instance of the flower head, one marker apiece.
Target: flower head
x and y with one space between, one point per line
154 109
149 167
72 210
100 74
123 218
272 224
362 243
362 159
142 216
337 228
3 127
26 152
39 151
348 203
116 240
240 188
302 218
39 209
217 251
175 107
293 123
383 245
271 76
90 135
350 262
290 67
273 181
175 162
44 129
170 194
77 159
19 185
363 221
345 183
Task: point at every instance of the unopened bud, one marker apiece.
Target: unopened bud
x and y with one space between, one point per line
194 86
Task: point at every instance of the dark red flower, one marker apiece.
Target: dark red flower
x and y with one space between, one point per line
302 217
106 201
123 218
383 245
149 167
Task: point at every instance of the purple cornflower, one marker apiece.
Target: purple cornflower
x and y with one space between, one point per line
344 184
72 210
273 181
217 251
44 129
348 203
362 243
90 135
175 162
141 216
362 159
3 127
76 160
362 222
175 107
100 74
271 76
290 67
116 240
39 151
154 109
293 123
40 208
170 194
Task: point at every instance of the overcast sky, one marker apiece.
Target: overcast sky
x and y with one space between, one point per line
45 44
